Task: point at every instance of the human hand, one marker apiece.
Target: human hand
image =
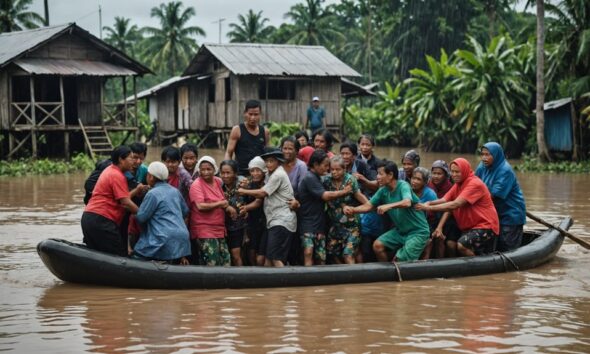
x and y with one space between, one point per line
348 210
382 209
184 261
233 213
294 204
438 233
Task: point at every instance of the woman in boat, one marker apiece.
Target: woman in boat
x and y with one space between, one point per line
446 232
410 161
358 168
473 209
235 222
104 213
502 183
344 235
281 220
295 168
189 154
419 180
207 219
178 178
256 229
162 215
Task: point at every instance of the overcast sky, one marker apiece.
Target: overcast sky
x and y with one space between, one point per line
85 13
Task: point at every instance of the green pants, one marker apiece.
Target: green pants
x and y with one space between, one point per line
408 247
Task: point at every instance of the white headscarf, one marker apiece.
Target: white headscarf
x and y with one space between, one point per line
210 160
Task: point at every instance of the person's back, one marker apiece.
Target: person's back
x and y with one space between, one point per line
165 235
276 204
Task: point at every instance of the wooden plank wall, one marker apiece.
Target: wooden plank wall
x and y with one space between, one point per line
4 101
89 100
166 105
198 101
69 46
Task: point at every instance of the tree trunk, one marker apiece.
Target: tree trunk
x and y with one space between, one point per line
543 151
46 6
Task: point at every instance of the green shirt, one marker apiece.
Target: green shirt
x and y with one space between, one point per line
406 220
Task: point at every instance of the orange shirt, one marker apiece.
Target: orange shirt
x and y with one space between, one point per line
110 188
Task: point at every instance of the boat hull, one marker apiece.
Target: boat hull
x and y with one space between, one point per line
77 264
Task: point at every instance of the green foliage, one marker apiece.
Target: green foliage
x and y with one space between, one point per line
250 29
23 167
533 164
15 16
280 130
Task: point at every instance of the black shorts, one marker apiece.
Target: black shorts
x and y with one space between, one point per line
235 238
102 234
451 230
480 241
367 248
258 239
279 243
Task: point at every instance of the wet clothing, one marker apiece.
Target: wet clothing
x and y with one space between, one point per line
316 241
411 230
164 235
182 181
503 186
249 146
211 223
480 241
311 212
315 117
276 204
109 189
479 212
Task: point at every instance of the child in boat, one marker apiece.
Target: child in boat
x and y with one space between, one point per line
281 220
177 177
235 222
162 215
473 209
501 181
419 180
446 232
207 220
344 234
312 196
256 230
189 154
395 198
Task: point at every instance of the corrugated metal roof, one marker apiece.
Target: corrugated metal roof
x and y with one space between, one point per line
13 44
271 60
352 89
557 103
67 67
164 84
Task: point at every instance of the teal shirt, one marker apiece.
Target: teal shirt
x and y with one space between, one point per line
141 174
406 220
315 117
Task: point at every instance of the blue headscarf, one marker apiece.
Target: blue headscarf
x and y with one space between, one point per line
503 185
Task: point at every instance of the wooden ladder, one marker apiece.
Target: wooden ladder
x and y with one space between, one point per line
97 139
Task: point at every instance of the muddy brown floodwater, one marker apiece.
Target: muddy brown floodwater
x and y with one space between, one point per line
538 311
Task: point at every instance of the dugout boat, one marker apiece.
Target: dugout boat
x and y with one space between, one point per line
76 263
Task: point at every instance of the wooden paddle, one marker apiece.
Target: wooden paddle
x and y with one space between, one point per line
576 239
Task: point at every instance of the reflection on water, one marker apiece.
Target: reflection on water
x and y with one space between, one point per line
543 310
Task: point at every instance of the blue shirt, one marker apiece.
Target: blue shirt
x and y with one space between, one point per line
427 195
315 117
164 235
504 188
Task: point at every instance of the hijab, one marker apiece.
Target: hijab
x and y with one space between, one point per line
442 188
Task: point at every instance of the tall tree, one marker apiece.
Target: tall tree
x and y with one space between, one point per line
122 35
15 16
250 29
169 48
312 24
540 101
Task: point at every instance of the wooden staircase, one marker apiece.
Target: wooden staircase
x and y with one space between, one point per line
97 140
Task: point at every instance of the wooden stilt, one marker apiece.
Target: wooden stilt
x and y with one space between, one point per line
10 144
135 108
33 129
67 145
125 110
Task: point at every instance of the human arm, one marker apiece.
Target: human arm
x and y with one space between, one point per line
360 197
147 209
331 195
370 185
138 190
361 209
404 203
256 193
438 232
257 203
444 206
223 204
128 204
234 136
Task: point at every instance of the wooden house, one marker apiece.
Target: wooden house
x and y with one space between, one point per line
212 93
52 90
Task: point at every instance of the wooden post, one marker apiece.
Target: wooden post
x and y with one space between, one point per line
10 144
63 119
33 132
67 145
135 108
102 82
125 112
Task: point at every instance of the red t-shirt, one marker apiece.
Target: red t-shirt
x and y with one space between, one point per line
206 224
109 189
480 212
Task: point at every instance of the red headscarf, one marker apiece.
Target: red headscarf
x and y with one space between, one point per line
466 171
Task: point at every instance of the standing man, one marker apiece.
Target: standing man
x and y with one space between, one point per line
315 115
247 140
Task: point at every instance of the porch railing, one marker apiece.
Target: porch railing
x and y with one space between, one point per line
45 113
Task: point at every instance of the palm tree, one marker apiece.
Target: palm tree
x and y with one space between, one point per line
170 47
312 25
540 100
14 16
250 29
123 36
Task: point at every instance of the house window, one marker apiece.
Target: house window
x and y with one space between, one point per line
212 92
227 89
277 89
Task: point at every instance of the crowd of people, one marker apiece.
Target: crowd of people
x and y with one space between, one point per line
299 203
